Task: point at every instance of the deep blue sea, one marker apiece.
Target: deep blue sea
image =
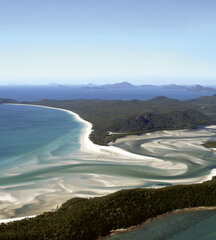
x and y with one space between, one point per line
35 93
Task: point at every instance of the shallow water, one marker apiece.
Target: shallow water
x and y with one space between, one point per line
195 225
41 164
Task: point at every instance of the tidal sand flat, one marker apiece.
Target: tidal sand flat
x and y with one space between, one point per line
46 157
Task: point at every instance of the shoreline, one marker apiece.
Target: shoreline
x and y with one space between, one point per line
87 146
150 220
7 220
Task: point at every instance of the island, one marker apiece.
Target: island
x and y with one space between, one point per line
210 144
82 218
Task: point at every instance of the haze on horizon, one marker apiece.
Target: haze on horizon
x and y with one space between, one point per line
77 42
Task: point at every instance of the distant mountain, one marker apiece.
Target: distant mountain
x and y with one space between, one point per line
118 85
147 86
53 84
127 85
199 88
174 86
5 100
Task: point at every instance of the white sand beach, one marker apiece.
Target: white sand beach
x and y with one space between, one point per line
15 219
159 159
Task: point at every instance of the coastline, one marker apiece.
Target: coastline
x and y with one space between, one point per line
7 220
89 147
150 220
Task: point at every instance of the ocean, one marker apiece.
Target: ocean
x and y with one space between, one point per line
42 162
33 142
36 93
194 225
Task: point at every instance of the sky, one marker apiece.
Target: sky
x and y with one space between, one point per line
104 41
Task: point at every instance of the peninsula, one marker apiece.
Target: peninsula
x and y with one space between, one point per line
122 118
81 218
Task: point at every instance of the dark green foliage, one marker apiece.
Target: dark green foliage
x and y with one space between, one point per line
87 219
157 121
136 117
206 104
210 144
204 100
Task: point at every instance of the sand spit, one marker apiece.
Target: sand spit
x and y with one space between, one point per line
58 189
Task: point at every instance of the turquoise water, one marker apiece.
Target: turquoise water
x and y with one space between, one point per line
31 131
42 163
196 225
33 140
26 129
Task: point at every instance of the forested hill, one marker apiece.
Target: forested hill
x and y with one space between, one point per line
87 219
90 218
156 121
205 100
205 104
136 116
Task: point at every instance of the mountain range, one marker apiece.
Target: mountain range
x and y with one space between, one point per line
127 85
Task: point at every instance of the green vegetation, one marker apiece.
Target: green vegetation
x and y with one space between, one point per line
207 105
210 144
90 218
86 219
137 117
157 121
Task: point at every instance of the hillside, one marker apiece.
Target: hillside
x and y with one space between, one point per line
132 117
87 219
136 116
207 100
90 218
206 104
157 121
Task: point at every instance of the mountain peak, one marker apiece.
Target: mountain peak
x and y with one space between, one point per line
199 88
119 85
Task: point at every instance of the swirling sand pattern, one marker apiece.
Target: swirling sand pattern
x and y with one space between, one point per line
72 166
